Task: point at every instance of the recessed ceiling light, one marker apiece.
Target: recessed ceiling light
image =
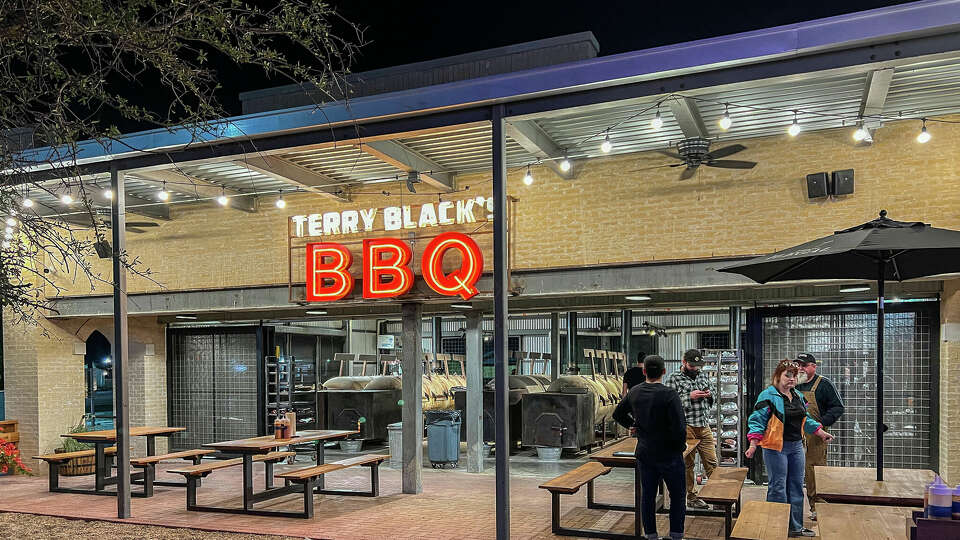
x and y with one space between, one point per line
316 312
638 298
187 317
461 306
858 288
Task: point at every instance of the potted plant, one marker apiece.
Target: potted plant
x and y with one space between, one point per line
10 460
78 466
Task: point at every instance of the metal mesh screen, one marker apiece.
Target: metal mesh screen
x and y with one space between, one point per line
845 347
213 387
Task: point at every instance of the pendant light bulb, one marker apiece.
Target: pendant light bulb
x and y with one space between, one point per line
565 164
657 121
528 178
725 122
281 203
924 135
163 194
606 146
794 128
6 244
27 202
108 193
222 200
861 133
66 198
11 222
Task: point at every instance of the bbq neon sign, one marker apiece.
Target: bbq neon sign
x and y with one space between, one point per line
386 268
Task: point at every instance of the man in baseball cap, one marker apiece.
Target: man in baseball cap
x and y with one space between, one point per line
825 406
696 396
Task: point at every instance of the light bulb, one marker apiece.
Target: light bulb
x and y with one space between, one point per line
6 244
606 146
9 230
66 198
8 236
163 194
860 134
27 202
528 178
565 165
924 135
281 203
794 128
108 193
657 122
725 122
222 200
11 222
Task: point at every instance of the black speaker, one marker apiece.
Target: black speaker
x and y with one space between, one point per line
817 185
841 182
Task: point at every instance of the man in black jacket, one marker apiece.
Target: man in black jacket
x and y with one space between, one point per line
825 406
654 412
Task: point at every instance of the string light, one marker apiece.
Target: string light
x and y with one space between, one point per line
27 201
11 222
657 121
794 128
222 200
66 198
6 244
108 193
606 146
280 202
565 163
861 133
924 135
528 178
725 122
163 194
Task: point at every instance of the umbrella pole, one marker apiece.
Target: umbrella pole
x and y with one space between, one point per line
880 324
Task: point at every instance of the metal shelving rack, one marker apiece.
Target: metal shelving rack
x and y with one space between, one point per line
292 384
727 367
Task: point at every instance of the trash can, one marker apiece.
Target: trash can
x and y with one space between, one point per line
395 438
443 438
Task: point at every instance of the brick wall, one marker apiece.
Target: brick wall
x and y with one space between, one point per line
950 381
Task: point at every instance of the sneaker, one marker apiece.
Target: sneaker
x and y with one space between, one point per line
813 516
802 532
697 504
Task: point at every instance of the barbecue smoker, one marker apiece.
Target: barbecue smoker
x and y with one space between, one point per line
575 409
358 392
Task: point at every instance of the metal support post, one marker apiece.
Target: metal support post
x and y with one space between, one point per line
121 386
626 337
735 327
572 355
501 289
436 327
554 346
412 410
880 315
474 373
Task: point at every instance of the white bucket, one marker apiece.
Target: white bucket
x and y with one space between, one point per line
548 453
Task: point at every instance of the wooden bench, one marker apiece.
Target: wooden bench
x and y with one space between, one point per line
149 466
761 520
723 489
309 475
56 460
193 473
568 484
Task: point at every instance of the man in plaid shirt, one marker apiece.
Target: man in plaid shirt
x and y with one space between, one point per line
696 396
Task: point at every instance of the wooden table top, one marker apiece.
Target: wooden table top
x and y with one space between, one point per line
110 435
259 445
605 455
858 485
861 521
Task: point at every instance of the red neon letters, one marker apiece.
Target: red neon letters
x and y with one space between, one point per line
386 268
328 281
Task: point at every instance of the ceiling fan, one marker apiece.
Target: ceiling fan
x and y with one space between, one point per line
695 152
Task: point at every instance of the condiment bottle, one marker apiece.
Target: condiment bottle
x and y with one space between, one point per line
278 427
940 502
926 497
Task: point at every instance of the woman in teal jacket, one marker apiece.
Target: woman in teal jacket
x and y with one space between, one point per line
777 425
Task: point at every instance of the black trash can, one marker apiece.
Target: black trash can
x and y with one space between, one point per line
443 437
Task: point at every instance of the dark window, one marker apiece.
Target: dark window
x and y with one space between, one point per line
714 340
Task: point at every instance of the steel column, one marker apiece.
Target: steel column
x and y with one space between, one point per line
500 315
412 385
436 327
474 373
572 338
626 336
554 346
881 267
121 386
735 327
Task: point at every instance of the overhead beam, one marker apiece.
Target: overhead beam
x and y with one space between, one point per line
532 138
177 182
406 159
875 91
293 174
688 117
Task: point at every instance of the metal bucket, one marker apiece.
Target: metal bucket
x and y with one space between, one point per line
549 453
352 447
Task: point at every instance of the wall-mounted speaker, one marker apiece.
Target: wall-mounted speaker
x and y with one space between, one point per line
841 182
817 185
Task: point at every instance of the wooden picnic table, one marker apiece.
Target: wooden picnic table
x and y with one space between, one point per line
248 448
860 521
102 439
858 485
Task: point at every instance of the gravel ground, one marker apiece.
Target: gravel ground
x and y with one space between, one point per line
14 525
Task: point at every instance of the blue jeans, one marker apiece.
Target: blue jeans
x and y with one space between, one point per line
672 472
785 472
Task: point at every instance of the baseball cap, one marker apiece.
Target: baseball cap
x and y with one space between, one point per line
806 358
693 357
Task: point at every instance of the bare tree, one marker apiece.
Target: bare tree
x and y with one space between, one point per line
75 70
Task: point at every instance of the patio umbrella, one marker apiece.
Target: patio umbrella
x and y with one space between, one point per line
882 249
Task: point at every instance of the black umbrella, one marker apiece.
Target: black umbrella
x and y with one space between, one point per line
882 249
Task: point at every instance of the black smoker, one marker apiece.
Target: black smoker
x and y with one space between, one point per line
379 407
520 386
560 419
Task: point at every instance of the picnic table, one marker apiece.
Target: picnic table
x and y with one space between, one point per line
614 455
858 485
258 447
101 441
860 521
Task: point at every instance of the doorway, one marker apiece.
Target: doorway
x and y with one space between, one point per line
98 374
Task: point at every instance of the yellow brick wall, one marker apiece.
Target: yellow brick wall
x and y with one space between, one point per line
950 381
616 210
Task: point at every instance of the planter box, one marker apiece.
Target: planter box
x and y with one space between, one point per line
81 466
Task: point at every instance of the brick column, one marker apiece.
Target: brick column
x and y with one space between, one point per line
950 381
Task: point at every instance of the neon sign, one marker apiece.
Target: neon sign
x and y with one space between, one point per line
386 268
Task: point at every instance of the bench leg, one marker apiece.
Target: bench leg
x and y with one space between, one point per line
247 482
100 467
191 492
321 483
268 468
728 522
555 512
149 475
375 479
308 498
54 478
